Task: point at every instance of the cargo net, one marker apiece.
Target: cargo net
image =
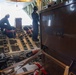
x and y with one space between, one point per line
32 64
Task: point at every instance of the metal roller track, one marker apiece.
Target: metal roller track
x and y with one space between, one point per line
22 42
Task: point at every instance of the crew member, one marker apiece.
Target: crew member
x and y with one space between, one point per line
4 23
35 18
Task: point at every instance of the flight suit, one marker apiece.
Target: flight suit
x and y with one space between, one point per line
35 18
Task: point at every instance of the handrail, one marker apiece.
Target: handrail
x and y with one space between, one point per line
54 59
66 71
